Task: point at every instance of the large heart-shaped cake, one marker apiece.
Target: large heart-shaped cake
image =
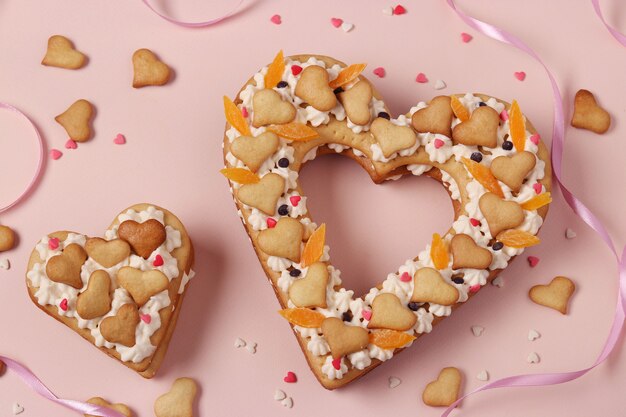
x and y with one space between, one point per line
483 150
123 292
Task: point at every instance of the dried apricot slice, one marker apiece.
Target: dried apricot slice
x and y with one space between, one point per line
314 248
484 176
537 202
347 75
390 339
235 118
514 238
459 109
439 252
517 126
275 71
303 317
240 175
294 131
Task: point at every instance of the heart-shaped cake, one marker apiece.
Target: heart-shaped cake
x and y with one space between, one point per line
320 106
123 292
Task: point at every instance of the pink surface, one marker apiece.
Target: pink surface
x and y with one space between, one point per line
172 156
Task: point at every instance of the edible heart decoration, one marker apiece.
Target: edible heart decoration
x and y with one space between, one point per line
110 290
453 139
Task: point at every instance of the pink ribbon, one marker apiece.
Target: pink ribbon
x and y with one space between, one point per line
40 163
577 206
617 35
193 24
36 385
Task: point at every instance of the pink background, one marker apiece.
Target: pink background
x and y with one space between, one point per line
173 156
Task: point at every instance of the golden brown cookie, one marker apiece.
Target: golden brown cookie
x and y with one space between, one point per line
283 240
310 291
76 120
392 138
95 301
467 254
480 130
588 114
343 339
430 287
148 69
141 285
270 108
356 101
61 53
7 238
555 295
120 328
389 313
65 268
313 88
264 194
107 253
500 214
178 402
144 237
253 151
512 170
436 118
443 391
120 408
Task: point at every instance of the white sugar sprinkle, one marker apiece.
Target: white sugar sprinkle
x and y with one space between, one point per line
478 330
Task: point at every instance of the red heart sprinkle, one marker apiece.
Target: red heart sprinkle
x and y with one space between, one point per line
70 144
290 378
336 22
399 9
146 318
271 222
405 277
474 222
337 363
63 304
520 75
466 37
295 199
380 72
119 139
535 138
367 314
533 261
296 69
538 187
158 260
504 116
276 19
53 243
438 143
244 112
474 288
421 78
55 154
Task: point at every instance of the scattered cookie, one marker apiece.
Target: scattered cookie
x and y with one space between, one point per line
251 347
389 313
17 409
313 88
120 408
392 138
436 118
178 402
500 214
95 301
310 291
483 375
239 343
394 382
588 114
555 295
477 330
270 108
141 285
264 194
431 287
532 358
533 335
7 238
343 339
283 240
253 151
144 237
512 170
61 53
569 233
356 102
76 120
480 130
65 267
290 378
148 69
444 390
467 254
107 252
279 395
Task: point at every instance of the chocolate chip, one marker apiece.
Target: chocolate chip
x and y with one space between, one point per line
497 246
476 156
482 104
384 115
283 162
282 84
338 90
413 305
295 272
347 316
458 280
507 145
283 210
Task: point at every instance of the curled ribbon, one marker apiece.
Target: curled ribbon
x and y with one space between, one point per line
193 24
40 163
36 385
617 35
576 205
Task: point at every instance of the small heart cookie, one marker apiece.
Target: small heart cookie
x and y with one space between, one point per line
430 287
7 238
95 301
107 253
392 138
120 408
500 214
65 268
120 328
512 170
389 313
467 254
435 118
141 285
313 88
356 101
263 195
61 53
283 240
270 109
253 151
480 130
310 291
555 295
76 120
178 402
588 114
443 391
148 69
343 339
144 237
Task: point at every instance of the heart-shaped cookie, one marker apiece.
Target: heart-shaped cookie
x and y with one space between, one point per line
143 237
356 101
148 69
264 194
129 321
310 291
269 108
178 402
358 332
512 170
76 120
254 151
313 88
61 53
120 408
555 295
588 114
443 391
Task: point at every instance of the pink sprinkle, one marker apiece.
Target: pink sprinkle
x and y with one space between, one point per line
474 288
367 314
466 37
504 116
63 304
158 260
533 261
336 22
271 222
535 138
405 277
380 72
290 378
276 19
119 139
295 199
520 75
438 143
421 78
53 243
538 187
244 112
474 222
337 363
399 9
55 154
70 144
296 69
146 318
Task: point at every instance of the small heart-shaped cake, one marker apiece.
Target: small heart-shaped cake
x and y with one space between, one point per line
429 286
148 69
500 214
178 402
392 138
264 194
283 240
254 151
120 408
443 391
467 254
512 170
269 108
588 114
310 291
124 303
313 88
389 313
356 100
555 295
343 339
480 130
61 53
76 120
434 118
